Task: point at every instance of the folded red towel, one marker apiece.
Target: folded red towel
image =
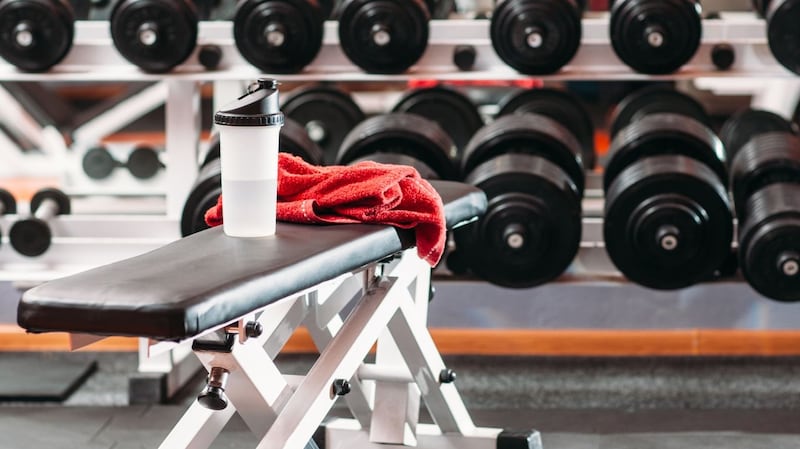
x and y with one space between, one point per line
367 192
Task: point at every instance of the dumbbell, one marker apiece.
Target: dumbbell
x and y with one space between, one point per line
783 33
402 139
279 36
765 183
531 168
155 35
143 162
384 36
32 236
561 106
208 186
668 221
327 113
537 37
655 36
36 34
453 111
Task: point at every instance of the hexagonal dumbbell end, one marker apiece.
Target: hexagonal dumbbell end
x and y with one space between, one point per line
213 395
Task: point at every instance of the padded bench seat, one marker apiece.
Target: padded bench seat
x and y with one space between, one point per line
208 279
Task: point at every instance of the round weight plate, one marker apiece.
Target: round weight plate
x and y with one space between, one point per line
98 163
155 35
536 37
561 106
30 237
278 36
665 134
35 34
404 134
8 202
768 158
384 36
783 34
653 100
400 159
528 134
532 228
747 124
143 163
667 223
655 36
452 110
203 196
61 198
327 113
769 242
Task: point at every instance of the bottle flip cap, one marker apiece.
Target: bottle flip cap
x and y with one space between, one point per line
258 107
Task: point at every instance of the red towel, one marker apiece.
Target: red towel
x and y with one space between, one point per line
367 192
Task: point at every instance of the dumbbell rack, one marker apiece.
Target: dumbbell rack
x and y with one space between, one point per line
83 241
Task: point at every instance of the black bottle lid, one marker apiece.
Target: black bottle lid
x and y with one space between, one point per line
258 107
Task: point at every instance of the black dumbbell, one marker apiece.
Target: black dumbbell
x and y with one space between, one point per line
208 186
655 36
668 221
452 110
8 204
155 35
531 168
537 37
32 236
561 106
279 36
783 33
384 36
403 139
36 34
143 162
765 183
327 113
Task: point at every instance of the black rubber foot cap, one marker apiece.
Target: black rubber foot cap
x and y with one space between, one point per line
519 439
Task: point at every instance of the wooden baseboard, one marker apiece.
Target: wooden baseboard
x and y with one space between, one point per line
511 342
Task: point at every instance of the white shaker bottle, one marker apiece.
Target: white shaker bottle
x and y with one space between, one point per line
249 128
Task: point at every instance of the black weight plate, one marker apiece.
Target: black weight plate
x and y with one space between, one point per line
404 134
766 159
327 113
35 35
783 32
400 159
668 222
536 37
769 242
278 36
747 124
143 162
8 202
654 100
155 35
532 228
655 36
561 106
30 237
665 134
61 198
528 134
452 110
384 36
98 163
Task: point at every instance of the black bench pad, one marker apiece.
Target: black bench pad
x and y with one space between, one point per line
208 279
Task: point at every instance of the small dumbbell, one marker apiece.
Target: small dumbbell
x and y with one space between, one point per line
384 36
327 113
783 33
36 34
655 36
765 183
403 139
279 36
155 35
668 221
537 37
143 163
32 236
531 168
453 111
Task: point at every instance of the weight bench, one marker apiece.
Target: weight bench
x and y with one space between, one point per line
237 301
